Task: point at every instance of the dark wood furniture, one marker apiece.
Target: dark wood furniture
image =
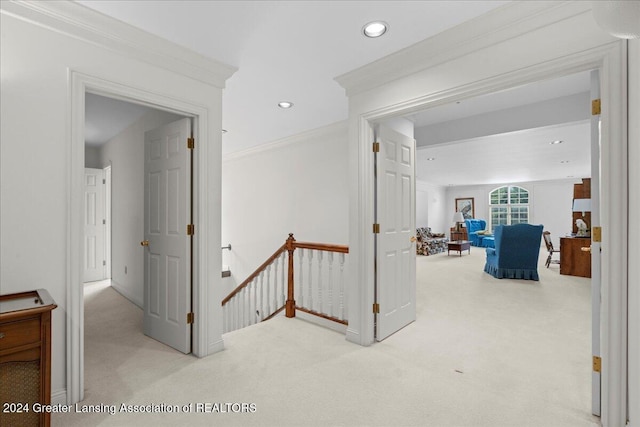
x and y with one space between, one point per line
459 235
574 261
25 357
459 245
549 244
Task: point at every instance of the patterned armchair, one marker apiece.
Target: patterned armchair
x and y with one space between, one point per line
516 253
429 243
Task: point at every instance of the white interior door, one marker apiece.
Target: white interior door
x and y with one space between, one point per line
595 246
94 226
395 247
167 259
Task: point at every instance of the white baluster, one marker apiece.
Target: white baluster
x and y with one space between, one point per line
261 300
320 256
310 280
342 313
300 286
268 301
274 302
284 257
275 283
330 289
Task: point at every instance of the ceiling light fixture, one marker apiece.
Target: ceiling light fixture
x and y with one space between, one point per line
285 104
375 29
430 158
556 142
564 161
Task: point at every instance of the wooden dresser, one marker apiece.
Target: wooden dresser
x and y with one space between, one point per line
459 235
25 357
573 260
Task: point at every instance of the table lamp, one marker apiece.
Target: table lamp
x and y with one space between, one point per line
458 219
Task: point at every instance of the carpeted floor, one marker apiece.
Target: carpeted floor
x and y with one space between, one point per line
482 352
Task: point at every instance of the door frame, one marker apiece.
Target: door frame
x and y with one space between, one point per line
610 61
80 83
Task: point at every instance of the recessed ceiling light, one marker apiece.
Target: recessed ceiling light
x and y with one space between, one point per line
285 104
375 29
431 158
556 142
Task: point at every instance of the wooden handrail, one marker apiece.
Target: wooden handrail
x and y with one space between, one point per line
290 304
264 265
322 247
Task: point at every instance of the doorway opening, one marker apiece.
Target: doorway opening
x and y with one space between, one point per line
469 147
81 85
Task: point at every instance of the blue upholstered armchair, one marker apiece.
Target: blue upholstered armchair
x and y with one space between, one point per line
516 253
473 226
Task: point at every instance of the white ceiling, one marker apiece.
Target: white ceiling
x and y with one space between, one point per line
107 117
288 50
292 50
509 157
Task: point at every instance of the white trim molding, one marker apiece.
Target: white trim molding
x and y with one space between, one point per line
546 40
83 23
79 84
324 131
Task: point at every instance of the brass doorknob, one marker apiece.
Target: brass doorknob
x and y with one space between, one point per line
586 249
144 243
413 238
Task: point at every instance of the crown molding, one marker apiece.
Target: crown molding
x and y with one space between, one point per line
340 127
82 23
500 24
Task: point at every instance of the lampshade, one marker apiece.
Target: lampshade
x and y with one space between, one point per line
581 205
457 217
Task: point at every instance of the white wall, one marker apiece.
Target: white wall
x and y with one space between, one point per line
296 185
92 157
42 44
550 203
634 233
125 154
431 207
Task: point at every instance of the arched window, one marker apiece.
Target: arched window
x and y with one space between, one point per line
509 205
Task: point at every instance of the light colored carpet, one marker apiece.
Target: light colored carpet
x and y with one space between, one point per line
483 352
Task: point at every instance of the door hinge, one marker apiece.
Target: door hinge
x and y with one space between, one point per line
597 364
190 318
596 234
104 181
191 143
376 147
191 229
104 222
104 262
376 228
376 307
595 107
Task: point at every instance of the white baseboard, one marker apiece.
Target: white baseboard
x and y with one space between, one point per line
59 397
215 347
127 294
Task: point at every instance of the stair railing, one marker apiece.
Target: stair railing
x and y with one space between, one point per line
319 290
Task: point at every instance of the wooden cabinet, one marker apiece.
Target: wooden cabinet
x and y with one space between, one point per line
459 235
573 260
25 357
